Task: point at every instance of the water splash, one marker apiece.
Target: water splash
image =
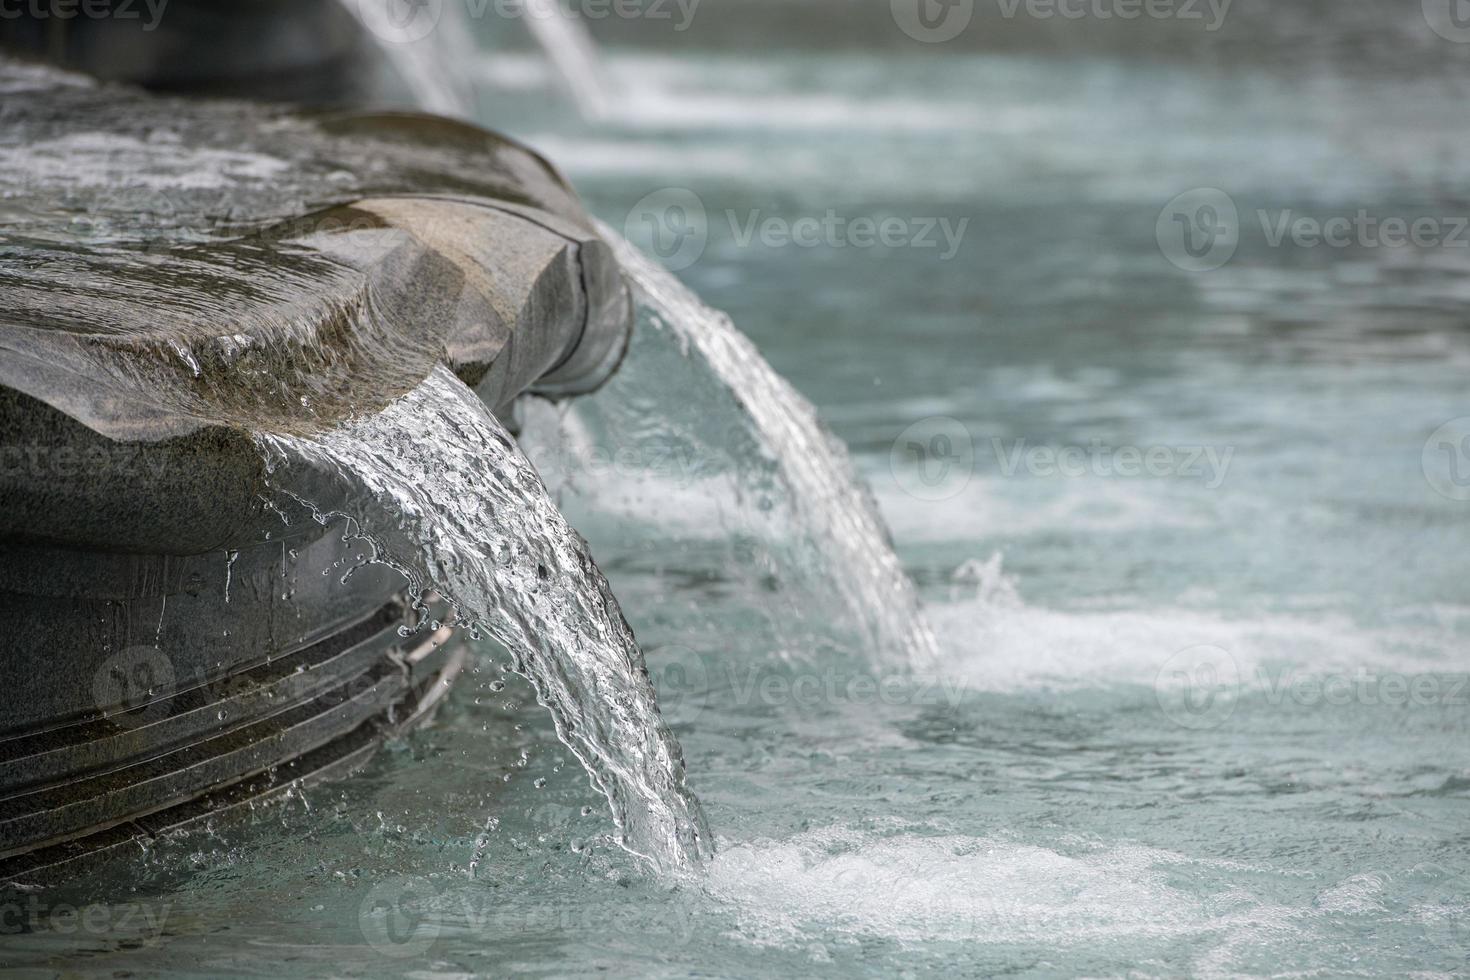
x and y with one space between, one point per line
440 491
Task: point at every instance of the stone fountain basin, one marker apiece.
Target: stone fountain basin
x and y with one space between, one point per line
178 276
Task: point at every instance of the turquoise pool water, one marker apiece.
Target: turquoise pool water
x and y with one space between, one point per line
1198 579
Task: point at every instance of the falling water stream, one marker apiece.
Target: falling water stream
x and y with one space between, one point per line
431 48
444 495
427 45
831 506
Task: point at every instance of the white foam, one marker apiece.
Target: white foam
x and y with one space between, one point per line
912 884
663 94
996 642
988 506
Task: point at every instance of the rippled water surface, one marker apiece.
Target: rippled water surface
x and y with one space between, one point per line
1203 713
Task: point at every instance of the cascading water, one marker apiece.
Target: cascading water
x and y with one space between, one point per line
442 493
431 47
785 478
428 45
570 48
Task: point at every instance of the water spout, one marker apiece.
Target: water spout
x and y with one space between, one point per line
441 492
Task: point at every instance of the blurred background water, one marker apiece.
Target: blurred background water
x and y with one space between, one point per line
1182 491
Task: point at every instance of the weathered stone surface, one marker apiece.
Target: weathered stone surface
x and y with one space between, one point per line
176 273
